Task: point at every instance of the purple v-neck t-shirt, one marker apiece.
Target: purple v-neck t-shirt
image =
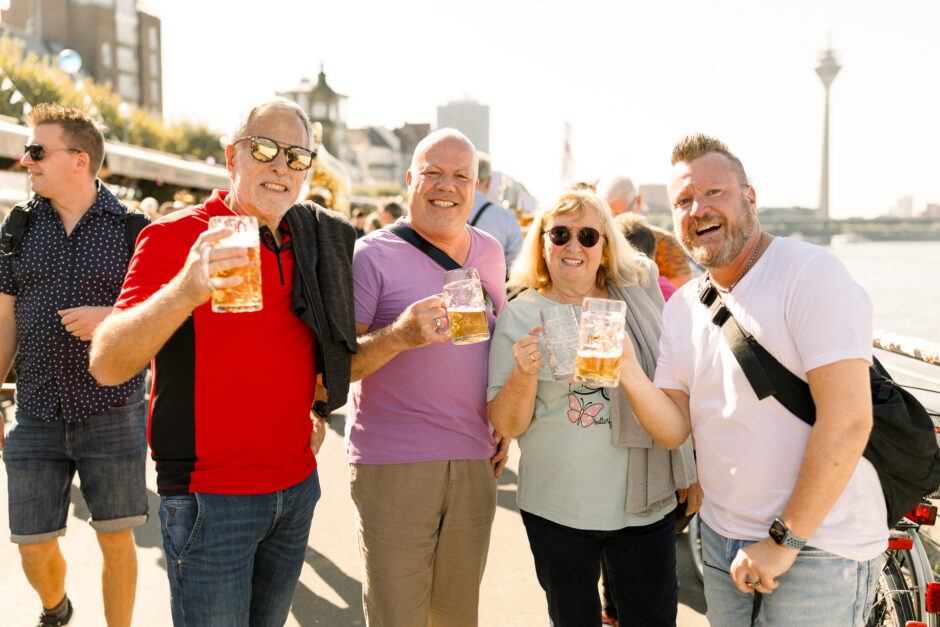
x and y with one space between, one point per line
427 403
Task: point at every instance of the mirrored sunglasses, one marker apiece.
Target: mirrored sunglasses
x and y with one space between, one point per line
265 150
560 235
37 152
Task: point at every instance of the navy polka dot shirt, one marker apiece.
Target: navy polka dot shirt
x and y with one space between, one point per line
57 271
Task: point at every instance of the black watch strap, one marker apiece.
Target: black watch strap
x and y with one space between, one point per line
321 409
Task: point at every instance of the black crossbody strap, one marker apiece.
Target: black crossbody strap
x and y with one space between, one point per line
767 376
476 218
439 256
412 237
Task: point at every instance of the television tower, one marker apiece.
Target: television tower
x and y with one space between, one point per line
826 70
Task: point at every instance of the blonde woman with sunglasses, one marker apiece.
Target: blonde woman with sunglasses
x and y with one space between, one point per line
592 483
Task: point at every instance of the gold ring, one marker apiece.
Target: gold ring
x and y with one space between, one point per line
532 357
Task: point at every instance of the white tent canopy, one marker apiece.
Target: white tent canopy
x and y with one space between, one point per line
133 162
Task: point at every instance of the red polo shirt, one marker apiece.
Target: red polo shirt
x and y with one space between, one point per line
230 410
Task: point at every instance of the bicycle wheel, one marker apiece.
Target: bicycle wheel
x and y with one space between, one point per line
892 606
695 547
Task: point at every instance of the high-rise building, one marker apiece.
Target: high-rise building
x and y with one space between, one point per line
470 118
120 44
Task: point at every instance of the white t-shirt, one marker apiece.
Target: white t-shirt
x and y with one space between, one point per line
801 304
570 472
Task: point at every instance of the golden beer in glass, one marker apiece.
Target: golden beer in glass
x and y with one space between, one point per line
466 307
600 342
246 296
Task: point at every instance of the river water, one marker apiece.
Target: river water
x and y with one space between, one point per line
903 281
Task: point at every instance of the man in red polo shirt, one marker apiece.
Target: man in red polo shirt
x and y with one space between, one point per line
230 425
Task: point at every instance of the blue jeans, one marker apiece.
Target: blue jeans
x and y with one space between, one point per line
109 452
641 564
819 589
234 559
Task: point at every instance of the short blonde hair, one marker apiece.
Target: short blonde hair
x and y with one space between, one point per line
621 264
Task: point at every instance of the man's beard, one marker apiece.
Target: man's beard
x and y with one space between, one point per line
736 237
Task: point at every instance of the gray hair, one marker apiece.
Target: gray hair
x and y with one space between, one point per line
616 187
440 135
243 121
483 167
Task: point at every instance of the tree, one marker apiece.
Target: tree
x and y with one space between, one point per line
38 80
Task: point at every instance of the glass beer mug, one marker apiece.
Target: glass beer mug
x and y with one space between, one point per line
466 306
600 342
246 296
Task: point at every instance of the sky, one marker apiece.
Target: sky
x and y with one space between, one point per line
630 78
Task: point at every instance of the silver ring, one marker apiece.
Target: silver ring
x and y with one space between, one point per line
438 323
755 583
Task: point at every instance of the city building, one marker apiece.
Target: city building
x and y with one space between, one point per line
470 118
119 42
903 208
326 106
378 156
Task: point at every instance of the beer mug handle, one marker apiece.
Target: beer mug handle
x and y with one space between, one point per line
204 255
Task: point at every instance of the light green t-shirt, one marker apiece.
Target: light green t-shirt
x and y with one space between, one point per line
570 471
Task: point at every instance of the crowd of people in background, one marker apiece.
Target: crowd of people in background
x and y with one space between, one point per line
793 516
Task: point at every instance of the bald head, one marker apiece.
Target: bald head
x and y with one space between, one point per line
619 192
439 136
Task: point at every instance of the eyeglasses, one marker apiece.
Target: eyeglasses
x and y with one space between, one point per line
560 235
265 150
37 152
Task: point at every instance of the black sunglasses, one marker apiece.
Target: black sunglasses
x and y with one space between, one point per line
37 152
265 150
560 235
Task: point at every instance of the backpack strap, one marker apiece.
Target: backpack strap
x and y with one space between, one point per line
476 218
17 223
134 223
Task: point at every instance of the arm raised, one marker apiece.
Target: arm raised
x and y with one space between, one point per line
512 408
664 413
127 339
415 327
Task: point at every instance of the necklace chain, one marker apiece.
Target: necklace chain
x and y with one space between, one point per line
750 262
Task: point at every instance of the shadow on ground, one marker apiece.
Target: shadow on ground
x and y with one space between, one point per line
310 609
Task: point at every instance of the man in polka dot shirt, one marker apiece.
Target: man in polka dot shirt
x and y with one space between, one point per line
55 288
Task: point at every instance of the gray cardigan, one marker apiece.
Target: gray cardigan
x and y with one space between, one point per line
654 474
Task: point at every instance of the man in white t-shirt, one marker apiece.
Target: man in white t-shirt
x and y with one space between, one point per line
794 516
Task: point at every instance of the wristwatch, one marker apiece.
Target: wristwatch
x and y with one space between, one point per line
782 536
321 409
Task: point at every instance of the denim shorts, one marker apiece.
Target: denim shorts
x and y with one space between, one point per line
108 450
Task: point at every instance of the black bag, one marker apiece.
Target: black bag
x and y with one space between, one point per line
903 443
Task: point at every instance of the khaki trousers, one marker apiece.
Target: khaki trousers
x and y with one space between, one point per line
424 532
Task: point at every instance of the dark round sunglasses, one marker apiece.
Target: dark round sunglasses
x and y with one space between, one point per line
37 152
265 149
560 235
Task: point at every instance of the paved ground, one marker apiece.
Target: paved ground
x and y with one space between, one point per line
329 589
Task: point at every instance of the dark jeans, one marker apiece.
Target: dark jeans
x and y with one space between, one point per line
233 560
641 563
